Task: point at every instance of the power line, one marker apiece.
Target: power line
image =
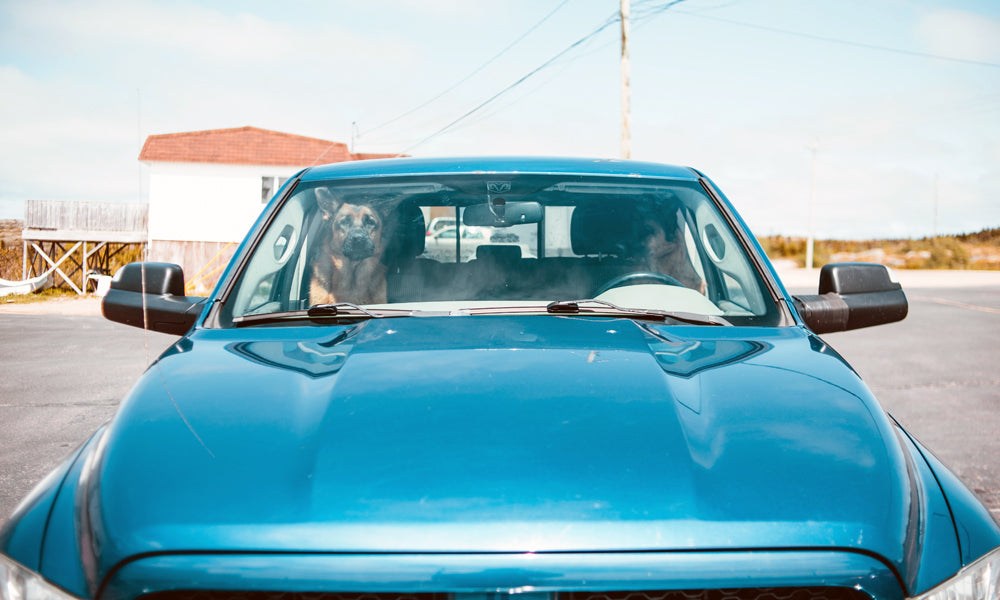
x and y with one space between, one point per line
498 107
644 10
646 14
610 21
831 40
470 75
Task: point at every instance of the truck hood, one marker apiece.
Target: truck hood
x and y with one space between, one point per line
496 434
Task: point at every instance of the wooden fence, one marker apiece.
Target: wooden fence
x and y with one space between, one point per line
48 215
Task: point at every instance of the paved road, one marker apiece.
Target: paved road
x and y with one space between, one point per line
62 376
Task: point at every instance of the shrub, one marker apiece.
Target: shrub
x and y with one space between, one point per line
10 261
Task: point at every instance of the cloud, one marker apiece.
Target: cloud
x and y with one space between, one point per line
85 82
51 148
960 34
194 30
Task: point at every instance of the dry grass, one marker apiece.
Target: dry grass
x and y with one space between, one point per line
11 249
40 296
980 251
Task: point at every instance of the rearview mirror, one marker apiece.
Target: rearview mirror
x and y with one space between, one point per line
851 296
151 295
500 213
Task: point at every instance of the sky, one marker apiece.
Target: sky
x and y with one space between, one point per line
881 118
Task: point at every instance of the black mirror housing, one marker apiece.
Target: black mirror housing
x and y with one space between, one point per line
852 296
161 279
500 213
153 290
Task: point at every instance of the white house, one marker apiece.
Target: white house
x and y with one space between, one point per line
206 188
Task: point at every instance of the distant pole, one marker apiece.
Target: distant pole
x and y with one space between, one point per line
354 130
812 197
626 108
138 135
935 203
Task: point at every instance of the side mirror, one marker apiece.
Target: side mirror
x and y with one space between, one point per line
851 296
155 290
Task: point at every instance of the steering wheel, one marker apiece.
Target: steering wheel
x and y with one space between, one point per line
637 278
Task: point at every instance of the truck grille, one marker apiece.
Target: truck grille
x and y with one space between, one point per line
811 593
815 593
242 595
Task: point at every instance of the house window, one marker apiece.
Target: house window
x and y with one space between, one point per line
269 185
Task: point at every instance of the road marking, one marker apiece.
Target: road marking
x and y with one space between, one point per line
956 304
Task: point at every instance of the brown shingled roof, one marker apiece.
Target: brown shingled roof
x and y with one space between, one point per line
246 146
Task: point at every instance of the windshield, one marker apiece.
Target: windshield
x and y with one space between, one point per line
485 243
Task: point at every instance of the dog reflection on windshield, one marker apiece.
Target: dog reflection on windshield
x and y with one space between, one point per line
348 266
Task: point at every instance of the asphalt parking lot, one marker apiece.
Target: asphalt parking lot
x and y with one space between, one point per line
62 375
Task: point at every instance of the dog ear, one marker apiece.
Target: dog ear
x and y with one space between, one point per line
327 201
385 209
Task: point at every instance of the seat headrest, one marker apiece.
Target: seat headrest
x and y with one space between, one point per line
604 228
501 253
406 234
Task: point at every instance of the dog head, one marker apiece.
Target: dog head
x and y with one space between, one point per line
356 230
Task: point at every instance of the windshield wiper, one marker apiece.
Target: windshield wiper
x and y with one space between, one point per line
336 310
573 307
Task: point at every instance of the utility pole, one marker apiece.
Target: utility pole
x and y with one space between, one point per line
138 135
935 203
626 108
812 197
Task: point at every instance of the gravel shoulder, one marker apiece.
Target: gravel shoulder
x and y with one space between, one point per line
83 305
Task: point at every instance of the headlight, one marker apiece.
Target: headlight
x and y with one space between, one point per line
20 583
978 581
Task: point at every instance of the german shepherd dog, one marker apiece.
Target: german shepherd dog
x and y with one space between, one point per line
348 266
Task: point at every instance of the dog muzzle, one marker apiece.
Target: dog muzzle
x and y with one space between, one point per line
358 246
